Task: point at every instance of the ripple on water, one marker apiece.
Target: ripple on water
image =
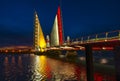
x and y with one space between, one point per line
41 68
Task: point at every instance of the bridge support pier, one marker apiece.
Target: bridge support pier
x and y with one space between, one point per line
117 62
89 63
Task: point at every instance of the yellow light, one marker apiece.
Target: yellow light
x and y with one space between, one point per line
39 36
42 50
42 42
40 65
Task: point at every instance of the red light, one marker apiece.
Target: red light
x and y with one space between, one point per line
60 26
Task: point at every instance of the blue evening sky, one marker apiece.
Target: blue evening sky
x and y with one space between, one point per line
80 18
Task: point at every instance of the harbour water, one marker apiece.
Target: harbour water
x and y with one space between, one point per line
31 67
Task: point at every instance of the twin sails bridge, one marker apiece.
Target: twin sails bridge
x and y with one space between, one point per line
55 41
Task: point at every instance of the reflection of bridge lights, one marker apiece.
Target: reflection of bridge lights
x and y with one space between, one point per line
6 60
103 61
40 67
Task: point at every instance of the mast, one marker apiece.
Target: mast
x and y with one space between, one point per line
60 28
36 31
39 40
60 4
57 30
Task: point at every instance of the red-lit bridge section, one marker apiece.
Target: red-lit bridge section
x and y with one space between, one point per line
102 41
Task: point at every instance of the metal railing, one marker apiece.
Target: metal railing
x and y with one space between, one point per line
106 36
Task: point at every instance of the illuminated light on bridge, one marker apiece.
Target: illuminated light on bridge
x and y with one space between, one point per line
103 61
66 47
105 40
80 47
39 40
53 48
107 48
68 40
82 58
48 41
102 48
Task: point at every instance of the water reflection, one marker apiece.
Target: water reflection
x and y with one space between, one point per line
13 69
20 66
62 71
41 68
6 69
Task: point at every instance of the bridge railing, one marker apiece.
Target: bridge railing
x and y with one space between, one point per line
106 36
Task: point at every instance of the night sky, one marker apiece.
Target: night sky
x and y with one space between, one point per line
80 18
